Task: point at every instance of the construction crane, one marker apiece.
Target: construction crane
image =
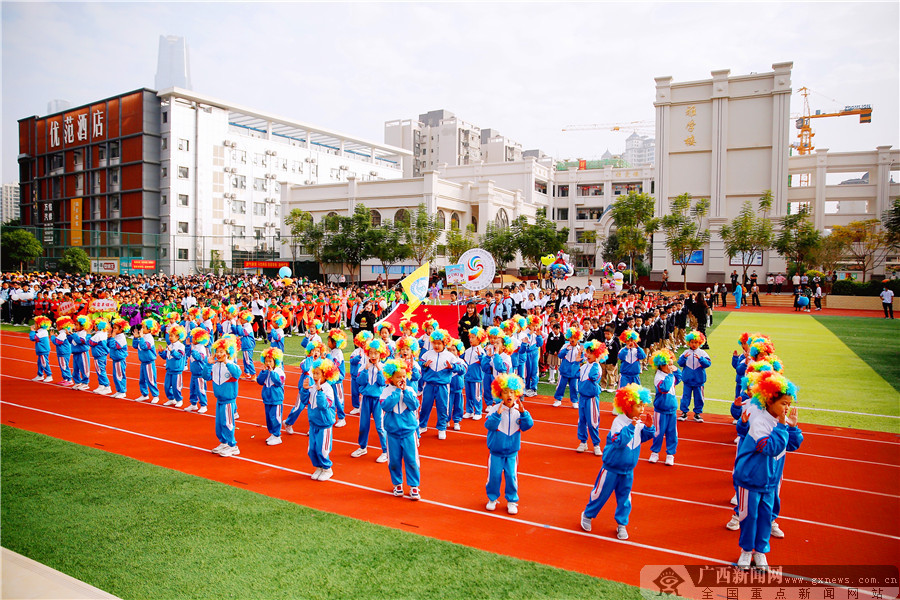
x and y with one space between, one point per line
631 125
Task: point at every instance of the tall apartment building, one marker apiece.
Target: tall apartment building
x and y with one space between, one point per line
640 150
9 204
173 64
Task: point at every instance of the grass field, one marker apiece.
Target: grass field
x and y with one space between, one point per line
140 531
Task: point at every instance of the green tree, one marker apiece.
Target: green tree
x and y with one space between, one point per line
798 240
75 261
828 255
216 264
500 242
635 223
534 240
611 252
386 244
421 235
750 232
348 245
684 230
18 247
458 243
865 242
297 220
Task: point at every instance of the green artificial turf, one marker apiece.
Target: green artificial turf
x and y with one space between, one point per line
141 531
873 340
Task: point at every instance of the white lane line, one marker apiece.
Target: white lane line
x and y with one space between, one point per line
389 493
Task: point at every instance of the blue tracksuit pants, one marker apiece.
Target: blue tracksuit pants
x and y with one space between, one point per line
625 379
532 372
354 392
320 447
81 367
456 404
147 380
225 410
369 410
403 451
64 371
666 427
197 390
519 368
172 385
100 368
697 392
506 467
435 396
249 368
43 365
486 389
273 418
589 419
473 397
118 376
607 483
338 389
572 382
755 511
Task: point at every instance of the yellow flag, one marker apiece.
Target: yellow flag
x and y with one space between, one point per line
416 287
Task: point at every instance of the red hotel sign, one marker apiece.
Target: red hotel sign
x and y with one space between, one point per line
265 264
143 264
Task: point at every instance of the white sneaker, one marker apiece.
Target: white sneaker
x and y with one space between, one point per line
737 440
155 400
382 458
230 451
467 416
316 473
621 532
355 411
48 379
414 494
582 447
219 448
585 522
178 403
119 395
575 405
289 429
491 505
557 403
141 399
442 435
776 531
744 561
38 378
398 491
654 457
512 508
598 451
670 460
169 403
733 500
422 430
202 410
236 415
340 423
456 427
359 452
191 408
326 474
759 559
273 440
476 417
734 524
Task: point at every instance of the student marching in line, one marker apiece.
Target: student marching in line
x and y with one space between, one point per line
457 383
570 358
225 375
40 336
271 378
630 358
371 384
248 343
321 417
589 396
694 363
664 406
336 340
358 356
474 378
175 357
64 327
199 366
506 421
437 370
118 353
81 359
146 347
399 404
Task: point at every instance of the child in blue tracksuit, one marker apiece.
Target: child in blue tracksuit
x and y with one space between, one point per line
495 361
630 357
533 345
437 370
336 341
371 383
407 351
303 385
272 377
81 358
457 383
664 405
505 423
474 378
100 352
248 343
399 404
276 334
620 457
356 357
118 353
589 396
175 357
225 375
199 365
146 347
772 433
739 362
321 417
64 326
694 363
570 357
41 337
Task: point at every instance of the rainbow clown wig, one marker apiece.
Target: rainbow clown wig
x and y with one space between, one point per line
431 324
316 347
378 346
661 358
520 321
509 344
769 386
275 354
43 322
84 322
760 348
227 343
408 342
329 370
246 316
507 381
630 335
278 321
208 313
408 327
695 335
744 340
151 325
65 323
535 321
477 336
386 325
194 313
338 338
362 338
494 332
395 366
573 333
232 310
509 326
119 323
440 335
628 397
460 347
317 325
179 331
199 336
596 350
101 324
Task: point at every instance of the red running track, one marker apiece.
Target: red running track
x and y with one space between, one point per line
839 490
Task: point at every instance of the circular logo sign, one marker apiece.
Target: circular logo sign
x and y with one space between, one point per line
479 269
419 287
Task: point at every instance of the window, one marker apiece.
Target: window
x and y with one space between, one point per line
239 155
590 190
239 207
589 214
454 221
163 227
163 252
164 143
239 182
79 182
183 172
475 223
182 199
562 214
296 166
165 117
281 163
114 203
259 184
184 145
114 177
259 160
182 254
114 150
259 209
376 218
540 187
274 210
163 199
101 152
239 230
402 216
502 219
258 232
78 158
164 172
182 227
441 220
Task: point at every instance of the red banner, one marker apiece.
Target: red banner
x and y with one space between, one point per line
66 308
447 315
143 264
265 264
102 305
